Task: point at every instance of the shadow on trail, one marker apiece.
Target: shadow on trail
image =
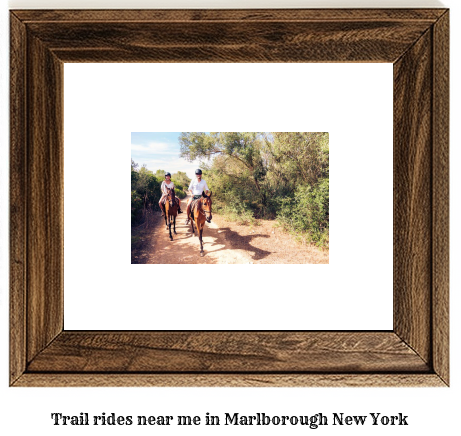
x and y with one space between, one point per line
244 243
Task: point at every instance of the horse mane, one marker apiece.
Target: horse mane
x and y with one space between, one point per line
168 199
196 204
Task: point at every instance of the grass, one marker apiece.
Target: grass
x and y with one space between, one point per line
236 213
305 238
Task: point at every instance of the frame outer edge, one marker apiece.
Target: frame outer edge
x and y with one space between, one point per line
229 380
18 211
18 330
441 180
206 14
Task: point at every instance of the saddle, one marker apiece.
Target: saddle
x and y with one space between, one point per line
196 204
166 198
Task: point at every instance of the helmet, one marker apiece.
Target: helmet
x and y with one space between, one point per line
167 174
198 171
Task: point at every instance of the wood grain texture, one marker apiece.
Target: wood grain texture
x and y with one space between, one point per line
441 213
414 354
18 211
230 380
311 41
413 196
205 15
236 352
44 198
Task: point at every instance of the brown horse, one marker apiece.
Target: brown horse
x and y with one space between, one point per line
171 211
200 211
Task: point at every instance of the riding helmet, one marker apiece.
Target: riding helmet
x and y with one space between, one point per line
167 174
198 171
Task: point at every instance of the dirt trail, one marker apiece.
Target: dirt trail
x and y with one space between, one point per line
185 247
224 243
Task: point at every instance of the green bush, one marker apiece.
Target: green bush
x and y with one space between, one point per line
239 212
136 206
145 193
231 202
307 212
179 192
179 188
267 175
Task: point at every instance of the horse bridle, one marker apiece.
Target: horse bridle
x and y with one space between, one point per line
204 212
172 200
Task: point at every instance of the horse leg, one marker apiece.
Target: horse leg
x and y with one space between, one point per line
201 242
169 228
192 225
166 218
174 224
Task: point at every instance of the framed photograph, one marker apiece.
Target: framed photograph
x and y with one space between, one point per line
234 185
414 353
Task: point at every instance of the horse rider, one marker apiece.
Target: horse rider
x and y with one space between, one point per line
196 188
167 183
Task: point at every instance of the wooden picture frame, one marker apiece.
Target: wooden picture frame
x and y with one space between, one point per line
414 353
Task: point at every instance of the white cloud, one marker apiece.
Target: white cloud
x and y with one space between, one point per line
155 147
162 156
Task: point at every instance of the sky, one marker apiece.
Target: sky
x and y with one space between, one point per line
160 151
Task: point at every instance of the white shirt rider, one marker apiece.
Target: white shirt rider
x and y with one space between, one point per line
166 185
198 187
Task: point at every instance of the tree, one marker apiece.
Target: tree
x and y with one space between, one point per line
145 192
298 177
281 175
181 178
160 174
297 157
236 154
134 174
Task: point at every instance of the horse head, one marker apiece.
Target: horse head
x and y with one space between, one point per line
171 196
206 205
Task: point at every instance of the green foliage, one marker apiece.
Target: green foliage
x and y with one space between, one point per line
229 201
197 145
145 192
179 189
297 158
134 174
181 183
136 205
307 212
160 175
180 193
234 154
181 178
282 175
276 175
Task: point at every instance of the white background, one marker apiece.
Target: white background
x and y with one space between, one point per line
430 411
104 103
